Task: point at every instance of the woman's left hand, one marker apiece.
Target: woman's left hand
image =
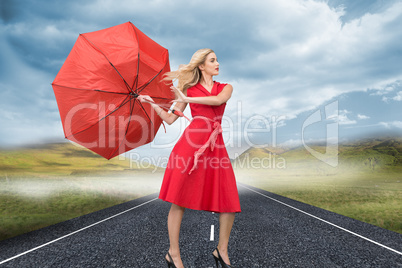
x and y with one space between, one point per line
180 97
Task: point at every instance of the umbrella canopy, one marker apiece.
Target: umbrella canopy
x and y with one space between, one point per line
97 88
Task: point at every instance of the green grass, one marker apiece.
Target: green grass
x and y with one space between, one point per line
377 207
365 185
20 215
370 196
59 160
27 204
52 183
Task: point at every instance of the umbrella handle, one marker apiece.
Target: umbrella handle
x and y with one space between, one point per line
176 112
179 113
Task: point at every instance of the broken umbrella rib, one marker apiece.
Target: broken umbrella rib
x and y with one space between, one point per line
124 102
98 49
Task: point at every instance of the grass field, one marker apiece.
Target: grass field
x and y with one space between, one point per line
56 182
372 196
31 203
52 183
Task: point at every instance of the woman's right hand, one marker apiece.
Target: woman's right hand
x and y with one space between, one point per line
145 98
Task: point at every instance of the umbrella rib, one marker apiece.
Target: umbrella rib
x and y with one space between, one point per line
90 89
138 59
125 133
128 124
153 78
145 112
118 107
138 90
162 98
125 82
111 92
138 70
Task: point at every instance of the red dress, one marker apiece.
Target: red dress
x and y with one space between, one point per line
199 174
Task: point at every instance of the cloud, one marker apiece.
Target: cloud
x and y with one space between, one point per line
29 114
398 96
312 57
282 57
362 116
343 118
291 143
393 124
357 8
386 88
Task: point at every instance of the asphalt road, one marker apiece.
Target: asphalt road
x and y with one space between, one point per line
271 231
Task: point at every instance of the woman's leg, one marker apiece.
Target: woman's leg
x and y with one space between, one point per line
225 227
174 222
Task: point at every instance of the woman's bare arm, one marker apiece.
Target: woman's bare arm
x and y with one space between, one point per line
217 100
169 118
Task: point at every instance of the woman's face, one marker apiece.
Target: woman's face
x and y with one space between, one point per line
211 65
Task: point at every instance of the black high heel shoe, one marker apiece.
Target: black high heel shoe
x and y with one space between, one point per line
170 263
220 260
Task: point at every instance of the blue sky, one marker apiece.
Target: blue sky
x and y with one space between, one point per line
285 59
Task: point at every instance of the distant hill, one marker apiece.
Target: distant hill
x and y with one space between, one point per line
61 159
69 159
372 152
261 152
391 147
367 153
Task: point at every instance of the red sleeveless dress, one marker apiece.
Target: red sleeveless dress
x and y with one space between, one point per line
199 174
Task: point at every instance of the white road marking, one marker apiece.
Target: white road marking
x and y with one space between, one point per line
330 223
211 237
89 226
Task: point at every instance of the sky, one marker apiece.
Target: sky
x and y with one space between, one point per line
288 61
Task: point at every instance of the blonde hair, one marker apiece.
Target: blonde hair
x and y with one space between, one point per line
189 75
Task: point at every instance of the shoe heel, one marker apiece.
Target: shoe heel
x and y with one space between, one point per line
216 261
170 263
220 260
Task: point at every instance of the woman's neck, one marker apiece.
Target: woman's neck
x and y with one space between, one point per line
207 80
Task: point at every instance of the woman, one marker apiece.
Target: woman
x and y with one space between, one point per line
199 174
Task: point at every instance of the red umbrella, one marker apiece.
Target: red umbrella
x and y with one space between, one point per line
97 88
